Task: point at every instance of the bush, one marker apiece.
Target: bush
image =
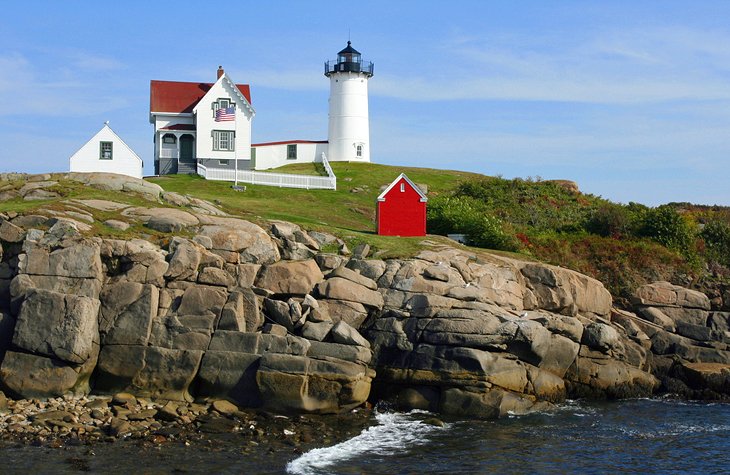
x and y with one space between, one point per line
716 235
666 226
466 215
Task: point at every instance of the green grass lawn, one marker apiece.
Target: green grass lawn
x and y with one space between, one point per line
348 212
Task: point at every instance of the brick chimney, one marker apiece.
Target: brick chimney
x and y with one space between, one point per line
220 72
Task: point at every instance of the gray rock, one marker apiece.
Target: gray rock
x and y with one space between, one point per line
215 276
327 262
661 294
59 326
316 331
147 371
233 315
338 288
352 313
201 300
290 277
303 238
655 315
249 241
361 251
602 337
299 383
242 342
9 232
343 333
79 260
352 353
696 332
719 321
32 376
322 239
437 272
115 182
127 312
353 276
278 311
184 261
116 224
231 375
370 268
275 329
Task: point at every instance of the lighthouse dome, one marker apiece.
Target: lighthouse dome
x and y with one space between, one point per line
349 60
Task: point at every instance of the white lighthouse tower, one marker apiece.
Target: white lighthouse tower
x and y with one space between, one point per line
349 129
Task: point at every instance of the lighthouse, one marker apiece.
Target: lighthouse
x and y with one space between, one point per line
349 129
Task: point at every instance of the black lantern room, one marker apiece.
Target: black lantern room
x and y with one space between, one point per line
348 60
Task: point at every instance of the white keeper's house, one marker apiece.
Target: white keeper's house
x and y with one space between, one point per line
106 152
209 124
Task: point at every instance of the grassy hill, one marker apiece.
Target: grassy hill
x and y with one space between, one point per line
622 245
348 212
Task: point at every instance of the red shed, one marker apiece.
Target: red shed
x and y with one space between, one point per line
402 209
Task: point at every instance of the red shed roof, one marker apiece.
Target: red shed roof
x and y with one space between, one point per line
415 187
178 97
263 144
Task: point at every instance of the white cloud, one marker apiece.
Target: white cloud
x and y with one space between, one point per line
54 92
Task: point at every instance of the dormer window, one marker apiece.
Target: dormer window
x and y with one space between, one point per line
222 103
105 150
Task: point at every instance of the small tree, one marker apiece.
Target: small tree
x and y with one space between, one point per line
716 235
665 226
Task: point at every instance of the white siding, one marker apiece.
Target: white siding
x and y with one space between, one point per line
348 117
206 124
274 156
124 161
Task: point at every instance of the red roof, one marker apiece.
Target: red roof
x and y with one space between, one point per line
177 97
263 144
179 127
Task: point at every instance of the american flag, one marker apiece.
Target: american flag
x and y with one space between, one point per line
223 115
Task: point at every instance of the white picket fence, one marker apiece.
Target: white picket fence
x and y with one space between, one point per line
283 180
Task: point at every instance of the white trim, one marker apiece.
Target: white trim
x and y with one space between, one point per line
413 185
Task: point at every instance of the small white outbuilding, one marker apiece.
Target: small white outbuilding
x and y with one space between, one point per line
106 152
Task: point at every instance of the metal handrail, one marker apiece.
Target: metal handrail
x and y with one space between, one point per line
335 66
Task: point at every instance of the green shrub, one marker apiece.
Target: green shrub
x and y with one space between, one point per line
716 235
466 215
666 226
614 220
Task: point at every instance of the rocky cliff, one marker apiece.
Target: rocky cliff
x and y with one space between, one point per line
261 315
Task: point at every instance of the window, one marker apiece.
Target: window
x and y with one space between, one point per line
224 140
169 138
402 187
358 151
291 152
222 103
105 150
222 162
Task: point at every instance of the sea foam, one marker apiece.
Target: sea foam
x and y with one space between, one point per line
395 432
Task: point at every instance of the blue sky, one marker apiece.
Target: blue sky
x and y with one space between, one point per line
630 99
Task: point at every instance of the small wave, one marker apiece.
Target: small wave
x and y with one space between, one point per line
673 431
394 432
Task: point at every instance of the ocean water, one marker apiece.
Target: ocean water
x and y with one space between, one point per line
634 436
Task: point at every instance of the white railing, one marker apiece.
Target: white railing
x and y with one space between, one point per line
283 180
328 168
168 153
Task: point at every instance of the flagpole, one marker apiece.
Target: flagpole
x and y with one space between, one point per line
235 149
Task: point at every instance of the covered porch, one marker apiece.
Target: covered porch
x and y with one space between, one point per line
176 149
